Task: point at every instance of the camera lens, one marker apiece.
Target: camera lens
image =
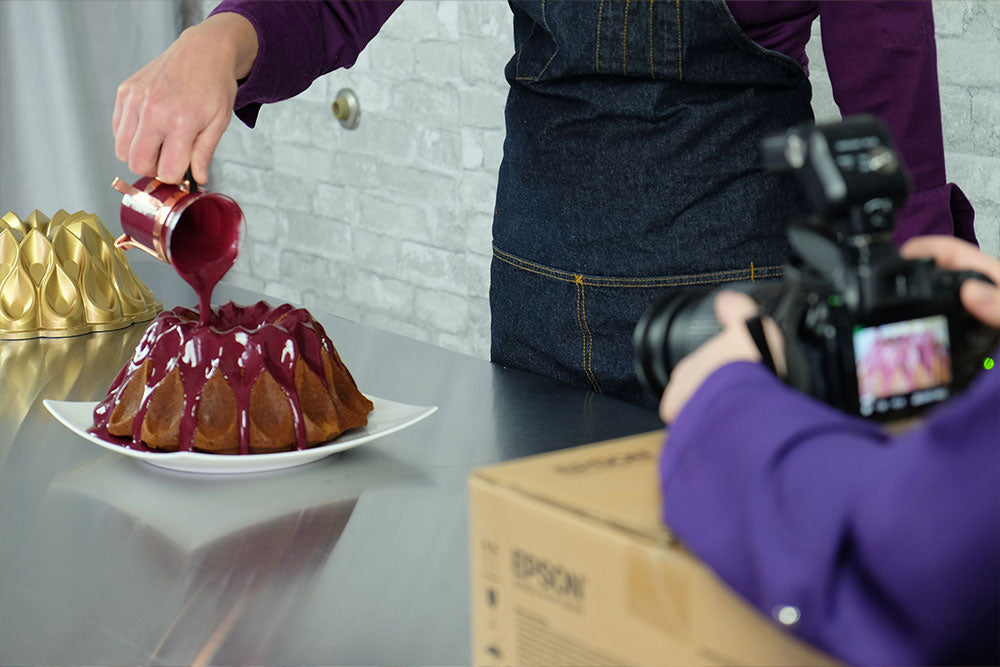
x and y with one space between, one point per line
670 330
677 324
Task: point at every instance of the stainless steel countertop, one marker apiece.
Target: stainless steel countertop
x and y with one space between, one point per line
359 559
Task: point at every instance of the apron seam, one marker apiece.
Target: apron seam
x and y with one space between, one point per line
739 37
585 333
652 68
680 51
625 42
549 61
517 64
753 273
597 50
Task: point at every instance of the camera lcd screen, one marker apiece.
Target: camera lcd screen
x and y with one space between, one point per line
902 365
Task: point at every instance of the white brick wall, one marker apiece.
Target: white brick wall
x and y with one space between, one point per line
389 224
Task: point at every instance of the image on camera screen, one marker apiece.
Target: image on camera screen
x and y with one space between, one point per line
903 364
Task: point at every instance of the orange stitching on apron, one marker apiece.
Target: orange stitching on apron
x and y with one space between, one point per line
597 51
625 42
588 338
730 275
751 271
680 55
652 71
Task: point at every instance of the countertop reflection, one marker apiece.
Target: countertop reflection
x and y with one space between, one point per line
359 558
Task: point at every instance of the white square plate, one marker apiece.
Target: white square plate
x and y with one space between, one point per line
387 417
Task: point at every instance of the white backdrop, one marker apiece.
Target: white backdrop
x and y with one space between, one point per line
60 64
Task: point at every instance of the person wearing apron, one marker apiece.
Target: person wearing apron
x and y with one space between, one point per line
631 160
631 168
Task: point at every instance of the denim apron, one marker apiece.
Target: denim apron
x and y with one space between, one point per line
631 167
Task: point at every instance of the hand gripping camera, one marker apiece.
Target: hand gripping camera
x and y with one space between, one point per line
865 330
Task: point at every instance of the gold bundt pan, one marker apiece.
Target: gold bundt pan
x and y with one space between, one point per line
65 277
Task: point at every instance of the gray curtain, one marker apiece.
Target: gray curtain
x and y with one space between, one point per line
60 64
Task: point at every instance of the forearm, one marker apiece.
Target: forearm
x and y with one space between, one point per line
757 481
873 540
234 39
882 59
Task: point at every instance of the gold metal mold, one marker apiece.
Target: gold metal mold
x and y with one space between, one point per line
64 277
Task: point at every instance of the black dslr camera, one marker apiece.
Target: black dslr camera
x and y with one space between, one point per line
864 330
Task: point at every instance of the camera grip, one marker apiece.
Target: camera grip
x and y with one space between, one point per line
756 328
962 276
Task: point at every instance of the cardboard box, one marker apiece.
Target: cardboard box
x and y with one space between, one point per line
571 565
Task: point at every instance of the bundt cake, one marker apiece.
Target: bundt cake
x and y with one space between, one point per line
255 380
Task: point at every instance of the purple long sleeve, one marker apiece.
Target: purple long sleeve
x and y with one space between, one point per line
298 42
888 547
882 59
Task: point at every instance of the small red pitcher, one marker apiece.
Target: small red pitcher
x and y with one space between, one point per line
194 230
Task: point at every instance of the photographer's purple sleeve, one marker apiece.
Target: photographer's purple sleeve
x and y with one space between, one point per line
888 547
